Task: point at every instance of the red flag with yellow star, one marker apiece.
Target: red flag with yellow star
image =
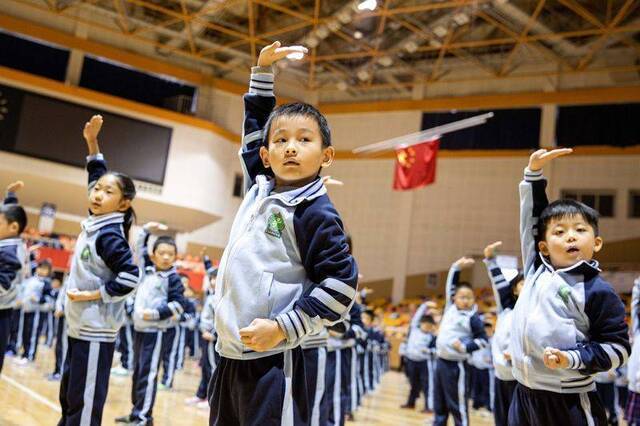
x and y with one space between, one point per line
416 166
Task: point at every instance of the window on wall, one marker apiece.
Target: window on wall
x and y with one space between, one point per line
126 82
601 200
508 129
634 204
33 56
615 125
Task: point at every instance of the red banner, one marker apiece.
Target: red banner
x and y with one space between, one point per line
416 166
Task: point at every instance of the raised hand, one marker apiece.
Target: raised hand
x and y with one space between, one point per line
156 226
90 133
541 157
464 262
274 52
15 186
491 249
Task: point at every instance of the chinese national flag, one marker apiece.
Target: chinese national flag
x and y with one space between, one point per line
416 166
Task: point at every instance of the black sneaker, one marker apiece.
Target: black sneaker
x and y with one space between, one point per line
408 406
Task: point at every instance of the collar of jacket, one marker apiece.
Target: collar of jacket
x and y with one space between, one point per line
294 197
163 274
588 268
93 223
10 242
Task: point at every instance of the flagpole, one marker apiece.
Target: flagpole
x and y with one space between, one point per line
423 136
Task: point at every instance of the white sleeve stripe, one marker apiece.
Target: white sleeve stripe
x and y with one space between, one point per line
296 323
615 359
261 85
289 328
124 274
328 300
253 136
260 92
340 287
126 283
621 350
263 77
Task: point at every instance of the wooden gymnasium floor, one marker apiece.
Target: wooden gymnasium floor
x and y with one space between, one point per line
28 399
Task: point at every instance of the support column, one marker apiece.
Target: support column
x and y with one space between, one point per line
76 58
548 126
401 257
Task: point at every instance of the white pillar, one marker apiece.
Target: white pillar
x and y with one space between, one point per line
76 58
548 126
401 258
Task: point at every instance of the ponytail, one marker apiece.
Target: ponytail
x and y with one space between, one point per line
128 189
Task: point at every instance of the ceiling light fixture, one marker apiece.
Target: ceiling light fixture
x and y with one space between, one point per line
368 5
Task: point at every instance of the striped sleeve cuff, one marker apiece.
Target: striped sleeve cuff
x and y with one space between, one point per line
261 81
532 175
175 308
575 360
98 156
293 324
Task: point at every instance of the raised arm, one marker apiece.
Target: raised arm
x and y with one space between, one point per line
453 278
533 200
96 164
12 188
258 104
502 291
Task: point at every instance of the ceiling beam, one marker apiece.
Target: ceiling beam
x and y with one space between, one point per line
525 31
511 100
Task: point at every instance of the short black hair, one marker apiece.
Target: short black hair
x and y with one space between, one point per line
369 313
566 208
14 214
428 319
46 263
461 285
303 109
165 239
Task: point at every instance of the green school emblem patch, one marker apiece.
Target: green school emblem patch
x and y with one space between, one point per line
563 293
275 225
86 254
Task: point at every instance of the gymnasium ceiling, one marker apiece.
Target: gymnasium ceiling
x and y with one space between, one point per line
388 53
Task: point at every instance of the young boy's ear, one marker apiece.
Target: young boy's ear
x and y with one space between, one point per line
328 154
264 156
543 247
597 244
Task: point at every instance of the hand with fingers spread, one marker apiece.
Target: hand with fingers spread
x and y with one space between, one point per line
275 52
491 249
555 358
90 133
262 335
464 262
15 186
541 157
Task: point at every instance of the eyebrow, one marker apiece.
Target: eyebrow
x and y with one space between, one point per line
280 130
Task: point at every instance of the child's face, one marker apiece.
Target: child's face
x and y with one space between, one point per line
55 283
8 230
295 152
427 327
489 330
164 256
366 320
568 240
43 271
106 196
464 299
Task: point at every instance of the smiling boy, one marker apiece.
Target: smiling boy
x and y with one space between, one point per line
286 272
568 323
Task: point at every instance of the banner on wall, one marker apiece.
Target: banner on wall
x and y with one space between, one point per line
47 218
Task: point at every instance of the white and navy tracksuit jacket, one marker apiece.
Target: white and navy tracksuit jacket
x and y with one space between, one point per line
35 293
633 368
102 261
572 309
450 395
161 293
13 259
504 380
287 257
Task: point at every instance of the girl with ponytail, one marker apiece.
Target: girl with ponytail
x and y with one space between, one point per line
103 274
